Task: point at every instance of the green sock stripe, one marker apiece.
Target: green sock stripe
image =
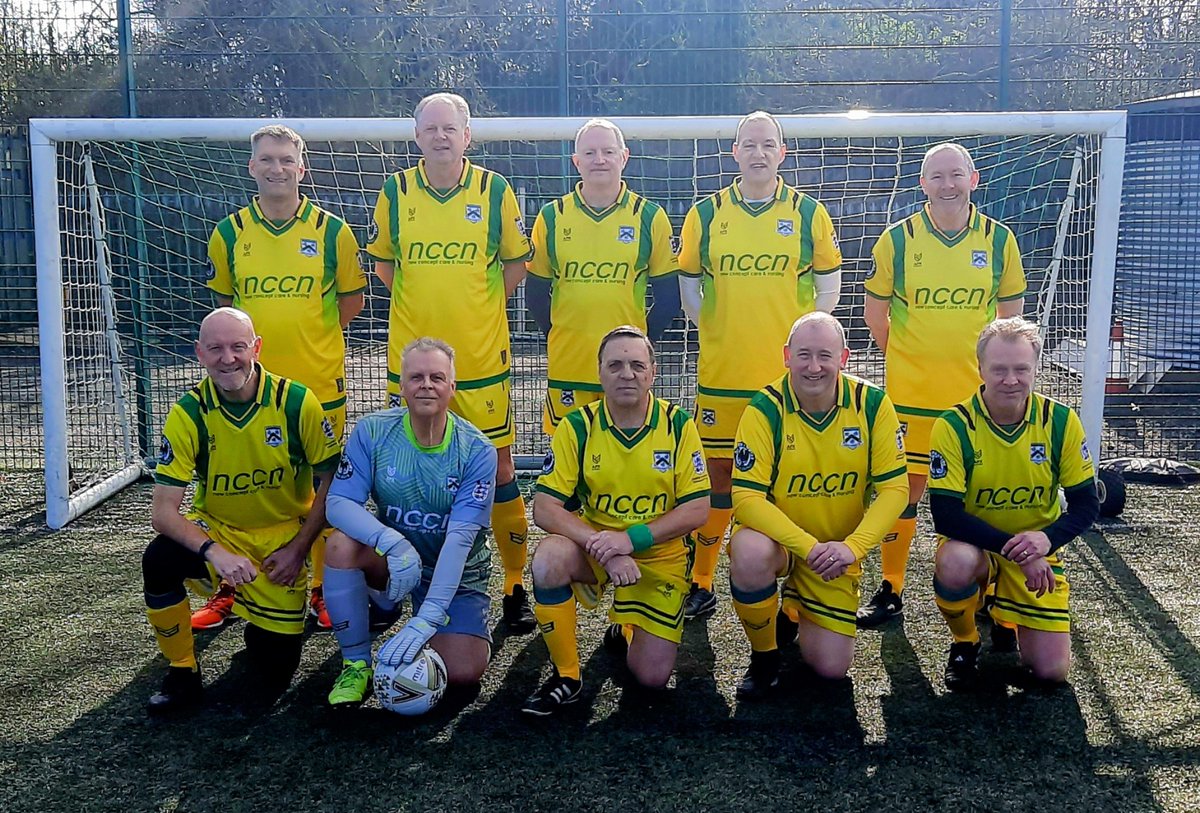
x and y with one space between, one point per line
721 500
946 594
508 492
548 596
752 596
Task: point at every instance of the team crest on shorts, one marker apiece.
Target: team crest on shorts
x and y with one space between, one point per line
937 465
743 458
708 417
165 453
698 462
452 484
624 234
785 227
474 212
394 400
567 398
662 461
308 248
979 259
548 462
851 437
1037 453
327 428
345 469
274 436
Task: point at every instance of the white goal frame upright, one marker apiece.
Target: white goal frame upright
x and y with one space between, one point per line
45 134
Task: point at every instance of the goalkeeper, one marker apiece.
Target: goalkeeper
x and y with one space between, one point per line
432 477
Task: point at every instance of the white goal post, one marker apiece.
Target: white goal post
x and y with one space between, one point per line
84 292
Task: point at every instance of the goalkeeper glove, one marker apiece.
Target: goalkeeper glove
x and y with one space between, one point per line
404 565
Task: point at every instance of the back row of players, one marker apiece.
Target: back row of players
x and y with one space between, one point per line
447 239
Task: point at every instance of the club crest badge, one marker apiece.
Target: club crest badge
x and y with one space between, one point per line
937 465
327 429
452 484
165 453
708 417
548 463
979 259
851 437
662 461
345 469
743 458
567 398
274 436
308 248
785 228
372 232
698 462
1037 453
474 212
625 234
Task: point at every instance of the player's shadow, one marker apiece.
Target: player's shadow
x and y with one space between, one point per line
696 670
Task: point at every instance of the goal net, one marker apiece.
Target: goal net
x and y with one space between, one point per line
124 210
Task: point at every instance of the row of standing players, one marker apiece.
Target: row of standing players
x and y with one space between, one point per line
447 239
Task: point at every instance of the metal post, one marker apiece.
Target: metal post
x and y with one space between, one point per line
1005 55
125 51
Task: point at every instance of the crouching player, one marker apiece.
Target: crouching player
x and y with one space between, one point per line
635 464
811 450
996 463
253 441
432 476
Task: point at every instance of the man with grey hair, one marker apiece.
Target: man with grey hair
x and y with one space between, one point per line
996 463
449 243
432 477
938 277
294 268
811 449
598 252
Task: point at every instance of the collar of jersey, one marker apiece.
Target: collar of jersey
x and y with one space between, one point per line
420 447
598 215
266 384
629 441
973 221
1010 436
735 194
302 213
792 403
464 180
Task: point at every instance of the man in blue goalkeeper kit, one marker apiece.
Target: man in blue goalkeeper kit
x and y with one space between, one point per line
432 476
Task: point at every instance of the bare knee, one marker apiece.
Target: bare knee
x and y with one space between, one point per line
651 659
553 561
958 564
752 559
466 670
343 552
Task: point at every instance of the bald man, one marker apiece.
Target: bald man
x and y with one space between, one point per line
254 443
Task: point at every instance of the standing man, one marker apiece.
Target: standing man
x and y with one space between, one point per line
294 268
754 257
938 278
450 246
596 253
997 461
254 442
635 465
819 480
431 476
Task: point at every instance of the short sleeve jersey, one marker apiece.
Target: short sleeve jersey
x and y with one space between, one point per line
942 291
448 250
418 490
253 471
819 470
756 264
625 478
599 263
1009 477
288 278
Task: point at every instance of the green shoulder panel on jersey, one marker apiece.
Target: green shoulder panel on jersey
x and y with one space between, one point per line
229 231
581 422
706 210
961 422
333 228
495 186
872 398
772 404
679 419
646 232
808 211
1056 415
898 234
192 404
1000 237
391 190
292 394
550 216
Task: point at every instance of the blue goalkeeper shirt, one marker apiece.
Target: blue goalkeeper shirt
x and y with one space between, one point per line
420 491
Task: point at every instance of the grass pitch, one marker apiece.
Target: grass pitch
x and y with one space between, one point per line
79 661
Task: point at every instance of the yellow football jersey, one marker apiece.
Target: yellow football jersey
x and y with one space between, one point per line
756 263
599 263
253 471
1009 477
288 278
625 479
821 471
448 249
943 291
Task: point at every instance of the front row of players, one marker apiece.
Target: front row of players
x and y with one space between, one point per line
819 480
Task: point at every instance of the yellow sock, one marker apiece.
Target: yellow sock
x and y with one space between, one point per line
958 608
511 530
756 610
316 560
896 546
709 537
556 620
173 632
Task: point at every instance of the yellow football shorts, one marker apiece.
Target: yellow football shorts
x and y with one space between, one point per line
487 408
560 402
717 419
274 607
917 429
1017 605
830 605
655 602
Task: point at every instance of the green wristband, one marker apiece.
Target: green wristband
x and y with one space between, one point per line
640 536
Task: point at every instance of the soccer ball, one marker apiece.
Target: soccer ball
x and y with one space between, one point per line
411 688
